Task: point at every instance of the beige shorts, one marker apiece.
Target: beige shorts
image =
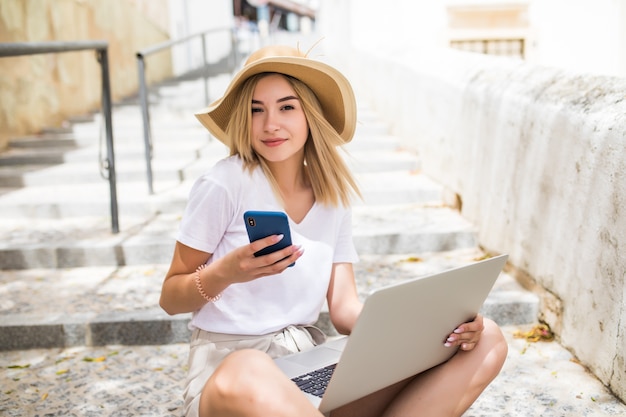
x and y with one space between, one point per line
208 349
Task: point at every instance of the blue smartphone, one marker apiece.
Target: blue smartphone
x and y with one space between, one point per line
260 224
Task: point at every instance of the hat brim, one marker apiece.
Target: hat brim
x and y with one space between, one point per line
330 86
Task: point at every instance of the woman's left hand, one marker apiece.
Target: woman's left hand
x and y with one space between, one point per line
467 335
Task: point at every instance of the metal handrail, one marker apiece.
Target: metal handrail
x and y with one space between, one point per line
143 88
101 48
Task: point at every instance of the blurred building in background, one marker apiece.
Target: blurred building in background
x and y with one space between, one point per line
494 29
580 35
587 36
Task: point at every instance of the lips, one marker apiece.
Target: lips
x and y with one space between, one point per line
273 142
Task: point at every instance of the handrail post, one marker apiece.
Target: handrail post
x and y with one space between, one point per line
101 47
145 113
234 46
143 89
103 58
205 70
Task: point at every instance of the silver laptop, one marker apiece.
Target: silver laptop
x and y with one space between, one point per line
400 333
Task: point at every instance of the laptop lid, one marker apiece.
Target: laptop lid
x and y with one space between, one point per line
401 331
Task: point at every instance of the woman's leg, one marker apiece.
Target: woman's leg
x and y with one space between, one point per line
452 387
373 405
248 383
446 390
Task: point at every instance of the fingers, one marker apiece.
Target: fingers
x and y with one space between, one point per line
467 335
257 245
276 256
272 263
266 242
277 262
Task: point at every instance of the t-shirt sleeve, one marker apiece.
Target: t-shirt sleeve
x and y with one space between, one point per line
207 215
345 252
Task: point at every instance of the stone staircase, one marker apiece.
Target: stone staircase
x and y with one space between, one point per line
68 281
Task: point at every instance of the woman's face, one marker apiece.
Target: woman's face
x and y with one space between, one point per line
279 127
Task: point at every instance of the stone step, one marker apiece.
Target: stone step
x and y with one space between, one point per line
82 166
35 164
72 242
70 282
34 156
99 305
47 140
77 187
169 163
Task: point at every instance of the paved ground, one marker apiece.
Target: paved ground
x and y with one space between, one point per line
538 379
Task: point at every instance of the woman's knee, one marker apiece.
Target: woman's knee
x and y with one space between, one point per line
239 372
237 380
497 346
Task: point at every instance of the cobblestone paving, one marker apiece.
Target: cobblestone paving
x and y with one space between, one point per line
103 381
538 379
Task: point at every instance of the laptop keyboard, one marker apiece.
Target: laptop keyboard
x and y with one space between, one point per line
315 382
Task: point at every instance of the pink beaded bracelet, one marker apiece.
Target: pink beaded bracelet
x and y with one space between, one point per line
201 290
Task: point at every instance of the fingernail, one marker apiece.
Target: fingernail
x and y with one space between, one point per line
447 344
279 237
450 339
458 330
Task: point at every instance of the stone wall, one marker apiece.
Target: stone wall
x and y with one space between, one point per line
537 156
41 91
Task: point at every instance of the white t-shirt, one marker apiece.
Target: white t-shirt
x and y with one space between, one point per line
213 222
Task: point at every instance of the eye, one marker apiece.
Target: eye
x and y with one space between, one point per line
257 110
288 107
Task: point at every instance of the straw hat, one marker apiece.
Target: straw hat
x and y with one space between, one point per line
331 88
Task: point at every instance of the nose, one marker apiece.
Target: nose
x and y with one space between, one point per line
271 122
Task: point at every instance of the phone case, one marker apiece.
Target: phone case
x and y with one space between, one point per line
260 224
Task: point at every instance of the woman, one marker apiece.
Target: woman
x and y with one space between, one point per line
283 117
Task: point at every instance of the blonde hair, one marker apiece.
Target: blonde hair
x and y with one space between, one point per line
330 178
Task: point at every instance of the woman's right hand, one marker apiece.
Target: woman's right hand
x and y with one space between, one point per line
241 265
179 293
